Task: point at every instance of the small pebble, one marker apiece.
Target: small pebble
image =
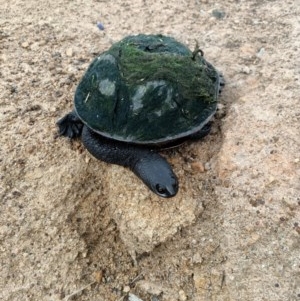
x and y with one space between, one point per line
25 44
98 275
220 106
35 46
197 258
132 297
271 179
100 25
69 52
218 14
207 166
260 53
126 289
182 295
197 166
246 70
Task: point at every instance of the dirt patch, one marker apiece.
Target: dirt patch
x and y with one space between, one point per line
72 227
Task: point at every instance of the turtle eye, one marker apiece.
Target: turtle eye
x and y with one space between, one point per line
160 189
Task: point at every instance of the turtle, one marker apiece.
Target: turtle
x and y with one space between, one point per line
144 94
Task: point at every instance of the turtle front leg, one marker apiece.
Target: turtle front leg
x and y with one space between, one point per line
148 165
70 125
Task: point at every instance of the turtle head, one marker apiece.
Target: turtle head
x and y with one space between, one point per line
157 174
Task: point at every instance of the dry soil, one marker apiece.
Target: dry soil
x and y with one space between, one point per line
74 228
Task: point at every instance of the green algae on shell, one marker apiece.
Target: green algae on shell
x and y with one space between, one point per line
147 89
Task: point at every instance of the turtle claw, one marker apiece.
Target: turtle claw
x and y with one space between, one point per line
70 126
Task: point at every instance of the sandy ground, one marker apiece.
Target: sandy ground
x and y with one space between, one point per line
74 228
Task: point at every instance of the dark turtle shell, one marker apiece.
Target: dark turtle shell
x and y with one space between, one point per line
147 89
